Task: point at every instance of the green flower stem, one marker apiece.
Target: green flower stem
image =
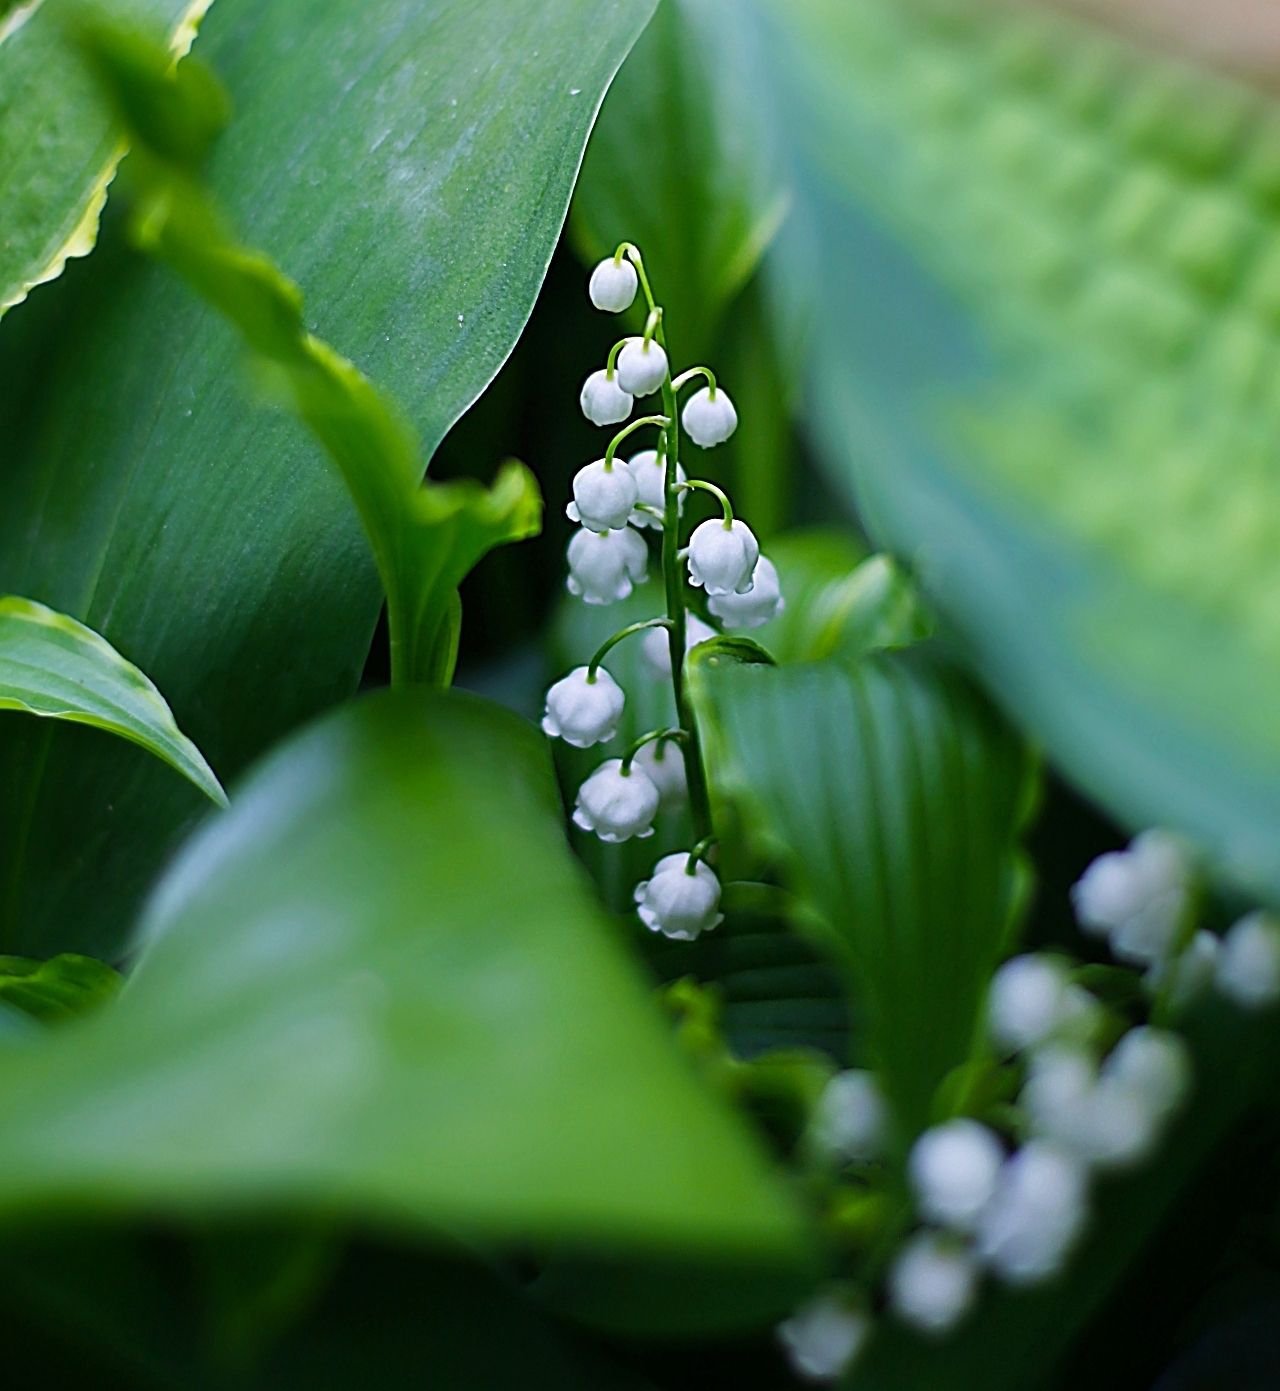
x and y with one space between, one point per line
659 420
654 736
603 650
686 377
651 324
699 852
718 493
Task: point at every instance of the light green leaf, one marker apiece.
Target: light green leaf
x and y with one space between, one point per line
51 665
58 144
1043 362
343 1005
893 796
58 989
416 199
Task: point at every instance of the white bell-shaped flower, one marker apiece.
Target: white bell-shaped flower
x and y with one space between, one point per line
709 417
656 646
1031 1000
1190 973
762 602
613 285
677 903
1136 897
722 558
604 566
603 400
649 469
953 1170
822 1339
642 366
1035 1215
582 709
932 1283
663 760
1097 1117
850 1120
1153 1063
1249 962
617 804
603 495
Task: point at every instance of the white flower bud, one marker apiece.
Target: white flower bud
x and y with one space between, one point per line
676 903
932 1283
663 761
613 285
642 367
657 646
709 419
850 1119
1031 999
604 566
762 602
822 1339
603 496
617 805
1136 897
582 710
603 400
1249 963
723 558
953 1170
1154 1064
1035 1215
1191 973
649 469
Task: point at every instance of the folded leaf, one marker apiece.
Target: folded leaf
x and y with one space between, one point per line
58 989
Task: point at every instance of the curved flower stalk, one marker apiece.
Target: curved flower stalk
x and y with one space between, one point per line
618 503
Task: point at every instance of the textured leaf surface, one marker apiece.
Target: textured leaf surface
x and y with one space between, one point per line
58 143
410 165
341 1006
51 665
894 795
1044 352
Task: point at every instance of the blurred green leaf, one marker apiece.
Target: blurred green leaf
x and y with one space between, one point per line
894 796
416 194
57 989
58 144
341 1007
1045 331
51 665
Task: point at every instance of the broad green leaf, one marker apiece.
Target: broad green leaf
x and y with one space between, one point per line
425 537
1042 366
58 989
415 197
378 986
51 665
59 146
893 796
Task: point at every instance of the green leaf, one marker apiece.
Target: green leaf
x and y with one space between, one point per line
894 796
53 666
1042 364
417 200
343 1007
58 144
58 989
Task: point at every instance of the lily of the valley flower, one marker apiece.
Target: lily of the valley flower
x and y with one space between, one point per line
605 566
657 647
1137 897
762 602
583 709
722 556
709 417
850 1119
603 400
822 1339
1035 1214
1032 999
604 494
663 761
953 1170
677 903
649 469
617 804
932 1283
613 285
642 366
1249 962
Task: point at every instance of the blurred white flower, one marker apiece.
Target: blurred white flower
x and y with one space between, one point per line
603 400
709 419
850 1119
1137 897
1032 998
584 711
1190 973
822 1338
1035 1215
932 1283
1155 1064
617 805
605 566
613 285
603 496
649 469
1099 1118
679 904
762 602
1249 963
663 761
657 646
953 1170
723 557
642 367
